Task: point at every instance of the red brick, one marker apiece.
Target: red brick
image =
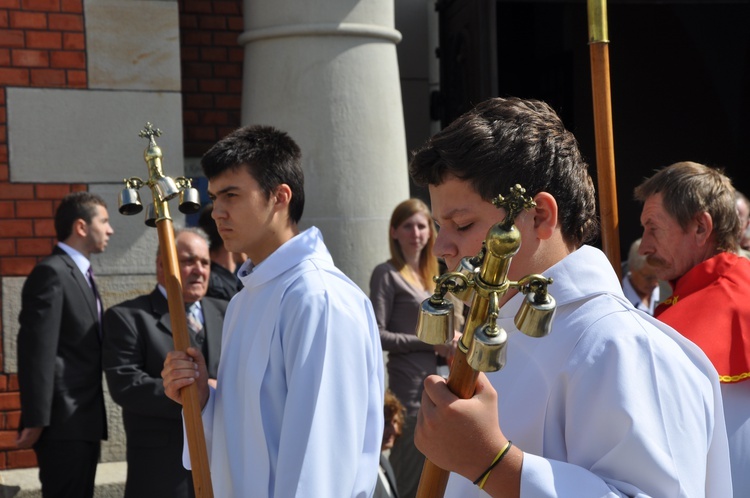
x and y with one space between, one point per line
190 53
13 419
73 41
51 190
10 4
30 58
234 86
197 69
77 79
14 76
212 86
31 20
44 228
230 8
215 118
188 21
68 59
12 38
7 247
21 459
214 54
4 23
236 54
16 228
196 7
66 22
44 39
190 117
16 191
10 401
13 382
236 24
228 101
79 187
232 70
214 23
4 167
3 383
33 247
198 38
4 57
47 77
201 133
73 6
34 209
226 39
44 5
8 440
189 86
197 101
17 266
7 209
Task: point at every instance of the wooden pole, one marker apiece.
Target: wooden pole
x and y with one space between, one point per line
190 401
605 151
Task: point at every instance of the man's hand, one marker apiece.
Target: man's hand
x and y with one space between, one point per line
460 435
182 369
28 437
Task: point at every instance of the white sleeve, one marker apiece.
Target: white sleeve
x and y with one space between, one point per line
207 415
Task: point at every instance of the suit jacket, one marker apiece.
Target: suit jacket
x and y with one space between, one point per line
137 339
380 491
60 353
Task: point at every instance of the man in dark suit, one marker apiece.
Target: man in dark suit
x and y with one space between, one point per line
137 339
59 353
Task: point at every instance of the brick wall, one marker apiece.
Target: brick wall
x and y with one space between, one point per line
43 44
211 71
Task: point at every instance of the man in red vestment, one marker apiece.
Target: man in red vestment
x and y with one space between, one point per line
690 235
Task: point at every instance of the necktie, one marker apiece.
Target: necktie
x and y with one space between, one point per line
97 297
194 323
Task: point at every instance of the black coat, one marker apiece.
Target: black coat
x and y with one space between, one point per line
60 353
137 339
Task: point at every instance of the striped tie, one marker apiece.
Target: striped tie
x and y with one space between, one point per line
194 323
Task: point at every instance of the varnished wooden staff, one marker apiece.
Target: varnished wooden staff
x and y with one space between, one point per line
482 345
163 189
605 150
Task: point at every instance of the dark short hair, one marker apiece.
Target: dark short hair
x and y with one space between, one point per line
75 206
690 188
271 157
506 141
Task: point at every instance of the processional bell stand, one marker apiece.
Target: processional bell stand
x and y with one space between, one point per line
164 188
483 279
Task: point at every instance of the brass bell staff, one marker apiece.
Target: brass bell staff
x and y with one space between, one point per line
483 343
605 150
163 189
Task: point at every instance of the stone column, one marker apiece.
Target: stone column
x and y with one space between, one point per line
326 72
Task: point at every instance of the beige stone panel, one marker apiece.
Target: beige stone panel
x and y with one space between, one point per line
133 45
84 136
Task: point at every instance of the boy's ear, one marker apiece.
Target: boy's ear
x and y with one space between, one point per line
545 215
282 195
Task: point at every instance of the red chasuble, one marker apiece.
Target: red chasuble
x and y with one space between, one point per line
710 305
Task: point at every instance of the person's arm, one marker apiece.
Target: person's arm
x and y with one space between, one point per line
38 337
612 426
382 294
125 352
333 415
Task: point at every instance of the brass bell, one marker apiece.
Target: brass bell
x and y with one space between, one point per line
435 321
488 348
151 216
129 202
189 201
166 188
534 317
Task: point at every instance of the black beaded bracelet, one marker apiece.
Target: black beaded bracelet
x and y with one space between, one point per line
480 480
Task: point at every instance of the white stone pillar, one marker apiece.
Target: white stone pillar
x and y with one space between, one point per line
326 72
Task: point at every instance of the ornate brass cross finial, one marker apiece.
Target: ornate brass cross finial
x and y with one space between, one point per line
513 204
150 132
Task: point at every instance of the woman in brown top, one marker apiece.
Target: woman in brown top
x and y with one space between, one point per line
397 288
